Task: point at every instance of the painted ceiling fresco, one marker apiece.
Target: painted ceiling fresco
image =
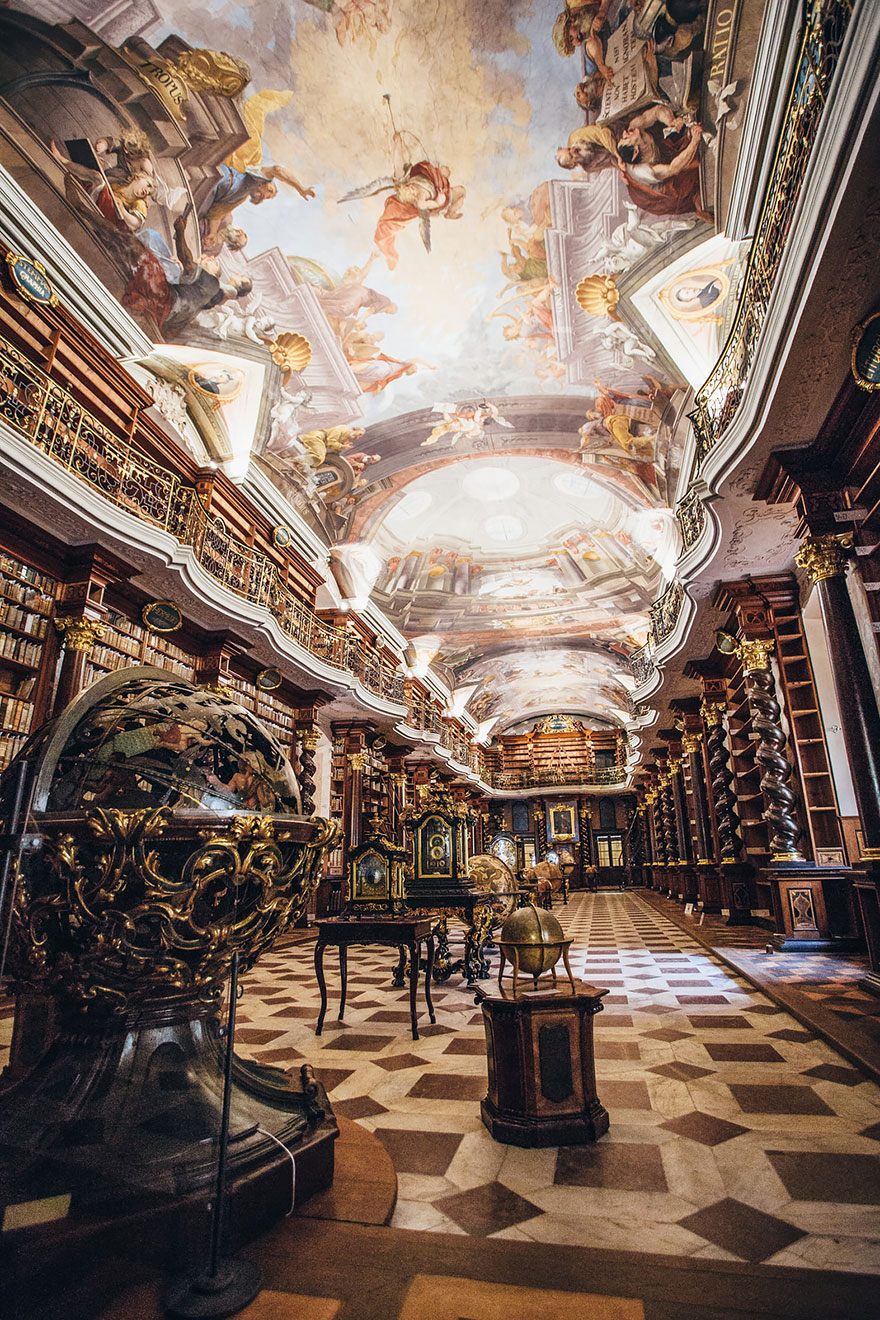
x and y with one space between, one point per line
447 272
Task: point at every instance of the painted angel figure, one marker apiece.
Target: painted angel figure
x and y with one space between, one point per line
463 420
419 191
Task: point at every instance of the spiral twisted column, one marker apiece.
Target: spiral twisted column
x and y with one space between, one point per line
669 826
780 800
721 771
657 826
308 742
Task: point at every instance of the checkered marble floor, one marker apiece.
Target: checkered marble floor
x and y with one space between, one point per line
735 1133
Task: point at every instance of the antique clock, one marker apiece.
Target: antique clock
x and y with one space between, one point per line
376 870
439 829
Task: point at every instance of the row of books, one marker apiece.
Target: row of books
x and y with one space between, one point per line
15 715
19 648
15 616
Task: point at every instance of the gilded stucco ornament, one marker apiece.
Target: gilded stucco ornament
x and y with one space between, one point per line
825 556
144 906
213 71
755 654
80 634
712 712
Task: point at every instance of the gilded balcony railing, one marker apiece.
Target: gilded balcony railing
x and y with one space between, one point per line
641 664
587 774
47 415
665 611
691 514
718 402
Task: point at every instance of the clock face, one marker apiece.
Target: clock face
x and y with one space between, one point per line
371 876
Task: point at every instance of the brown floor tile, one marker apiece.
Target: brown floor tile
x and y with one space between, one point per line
618 1166
758 1099
258 1035
356 1041
873 1132
390 1015
817 1176
297 1011
487 1209
666 1034
283 1054
332 1077
702 999
765 1008
435 1029
704 1128
614 1020
616 1049
721 1052
464 1046
396 1062
718 1021
419 1152
745 1232
657 1008
449 1086
835 1072
673 985
624 1095
792 1034
681 1072
359 1106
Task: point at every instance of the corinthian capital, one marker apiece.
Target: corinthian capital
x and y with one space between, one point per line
80 634
824 556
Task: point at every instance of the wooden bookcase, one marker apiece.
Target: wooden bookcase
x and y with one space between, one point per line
27 604
271 708
127 642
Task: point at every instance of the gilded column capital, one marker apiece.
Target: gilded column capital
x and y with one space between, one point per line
308 739
80 634
712 712
690 742
755 655
650 797
674 765
825 556
357 760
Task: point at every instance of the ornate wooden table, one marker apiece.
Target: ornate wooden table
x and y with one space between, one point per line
407 934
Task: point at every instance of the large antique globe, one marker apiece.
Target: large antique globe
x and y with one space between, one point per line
491 874
171 839
166 838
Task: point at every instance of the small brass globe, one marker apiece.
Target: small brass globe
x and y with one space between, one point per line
533 941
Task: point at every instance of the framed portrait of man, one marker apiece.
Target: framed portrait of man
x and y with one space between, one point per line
561 821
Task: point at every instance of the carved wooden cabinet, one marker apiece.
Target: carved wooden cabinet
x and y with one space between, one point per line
542 1075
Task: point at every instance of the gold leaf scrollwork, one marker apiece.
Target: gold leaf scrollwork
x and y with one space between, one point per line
144 907
825 556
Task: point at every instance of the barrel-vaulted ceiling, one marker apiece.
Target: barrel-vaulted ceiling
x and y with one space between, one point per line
448 273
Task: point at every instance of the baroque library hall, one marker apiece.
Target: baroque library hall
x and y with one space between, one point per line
440 659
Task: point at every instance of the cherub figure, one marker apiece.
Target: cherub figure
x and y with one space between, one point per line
463 420
420 191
